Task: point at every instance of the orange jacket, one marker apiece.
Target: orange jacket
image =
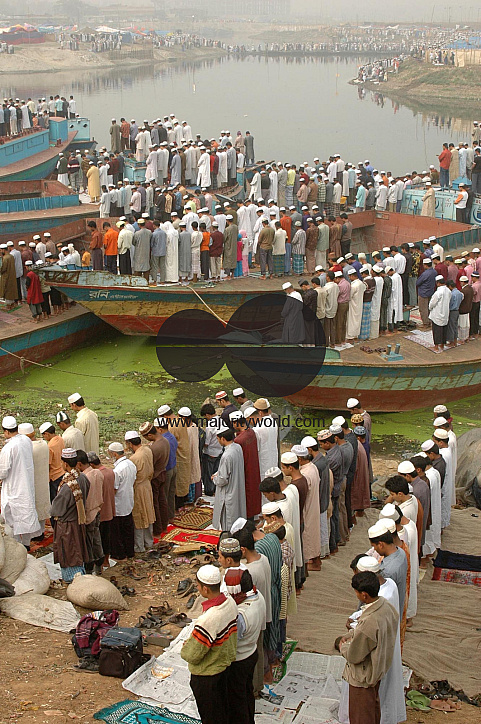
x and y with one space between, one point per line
110 242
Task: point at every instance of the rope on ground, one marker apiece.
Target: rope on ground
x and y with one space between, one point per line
24 361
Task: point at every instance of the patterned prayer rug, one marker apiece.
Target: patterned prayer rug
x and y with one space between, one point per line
450 575
195 518
184 535
135 712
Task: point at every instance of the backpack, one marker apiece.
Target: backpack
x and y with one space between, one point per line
90 630
121 652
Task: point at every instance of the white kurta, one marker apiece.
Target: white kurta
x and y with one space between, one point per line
266 433
18 486
395 303
439 306
453 446
244 222
391 689
203 176
151 170
255 190
354 314
376 300
172 255
448 487
273 185
409 534
230 493
222 172
433 534
292 495
88 423
41 478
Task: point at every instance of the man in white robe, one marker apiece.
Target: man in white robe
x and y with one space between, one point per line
244 222
354 315
151 170
376 302
175 169
87 422
229 481
40 473
407 532
203 167
273 181
172 253
18 483
127 196
448 492
186 131
222 172
162 164
395 304
266 431
255 190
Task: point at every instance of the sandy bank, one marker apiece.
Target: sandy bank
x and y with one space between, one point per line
48 57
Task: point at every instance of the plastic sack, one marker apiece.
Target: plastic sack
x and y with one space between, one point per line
15 559
33 579
42 611
95 593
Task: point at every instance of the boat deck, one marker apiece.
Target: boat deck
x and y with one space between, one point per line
413 354
37 159
62 213
18 322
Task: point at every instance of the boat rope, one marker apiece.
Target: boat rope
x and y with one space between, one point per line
238 329
25 360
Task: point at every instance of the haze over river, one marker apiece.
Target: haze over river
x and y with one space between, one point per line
296 108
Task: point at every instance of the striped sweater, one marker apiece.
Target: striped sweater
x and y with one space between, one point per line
212 646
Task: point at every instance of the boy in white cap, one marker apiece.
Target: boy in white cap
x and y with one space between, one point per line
87 422
241 398
41 476
71 436
122 526
18 483
420 490
211 648
55 447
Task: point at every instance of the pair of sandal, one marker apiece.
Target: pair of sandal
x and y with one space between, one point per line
185 587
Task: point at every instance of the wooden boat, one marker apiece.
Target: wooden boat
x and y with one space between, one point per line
411 382
22 342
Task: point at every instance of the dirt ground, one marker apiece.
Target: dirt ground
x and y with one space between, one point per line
37 671
49 57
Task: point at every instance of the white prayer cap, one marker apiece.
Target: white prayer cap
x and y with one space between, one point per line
37 236
439 277
300 450
324 435
432 238
308 441
319 267
214 223
386 248
339 420
22 243
377 269
210 575
249 411
236 415
47 234
361 255
352 402
44 427
381 527
25 428
368 563
32 244
288 458
62 417
238 392
427 445
185 412
69 453
131 435
440 421
475 250
463 279
388 268
161 422
237 525
338 273
364 268
222 429
163 410
406 467
439 409
229 217
273 472
341 258
389 511
286 285
440 434
74 398
29 263
270 508
427 183
10 243
145 216
335 429
411 244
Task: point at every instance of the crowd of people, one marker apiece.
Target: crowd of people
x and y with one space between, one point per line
18 117
281 511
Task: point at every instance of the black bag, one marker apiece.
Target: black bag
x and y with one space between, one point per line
121 652
6 589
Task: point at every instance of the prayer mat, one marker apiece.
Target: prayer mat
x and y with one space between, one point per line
451 575
425 339
184 535
279 671
195 518
457 561
136 712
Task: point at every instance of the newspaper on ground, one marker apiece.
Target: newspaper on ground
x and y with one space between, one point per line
316 664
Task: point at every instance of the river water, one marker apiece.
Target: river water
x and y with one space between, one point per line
296 108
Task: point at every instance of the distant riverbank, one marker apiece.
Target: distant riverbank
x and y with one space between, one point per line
49 57
434 89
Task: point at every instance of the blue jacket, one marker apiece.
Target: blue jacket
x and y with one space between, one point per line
426 283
